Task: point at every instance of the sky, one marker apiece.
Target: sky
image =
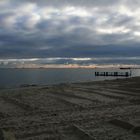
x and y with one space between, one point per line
80 32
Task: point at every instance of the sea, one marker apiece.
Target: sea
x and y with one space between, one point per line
13 77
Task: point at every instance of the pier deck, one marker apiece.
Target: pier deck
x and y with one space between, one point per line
121 74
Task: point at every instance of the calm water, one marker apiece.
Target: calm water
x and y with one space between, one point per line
17 77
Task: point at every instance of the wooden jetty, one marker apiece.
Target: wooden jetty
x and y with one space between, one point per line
122 74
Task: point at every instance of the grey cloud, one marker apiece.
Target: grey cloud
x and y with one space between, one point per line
68 35
74 2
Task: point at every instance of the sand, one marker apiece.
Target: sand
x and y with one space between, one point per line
103 110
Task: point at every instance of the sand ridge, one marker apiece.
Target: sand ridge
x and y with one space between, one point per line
103 110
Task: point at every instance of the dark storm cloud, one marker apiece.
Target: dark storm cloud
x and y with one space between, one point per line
69 28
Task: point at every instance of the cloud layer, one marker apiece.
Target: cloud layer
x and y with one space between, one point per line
69 28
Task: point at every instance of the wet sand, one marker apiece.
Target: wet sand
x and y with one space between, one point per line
103 110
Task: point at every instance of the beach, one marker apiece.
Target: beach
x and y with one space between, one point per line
98 110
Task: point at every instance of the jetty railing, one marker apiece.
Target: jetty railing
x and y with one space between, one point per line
124 74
